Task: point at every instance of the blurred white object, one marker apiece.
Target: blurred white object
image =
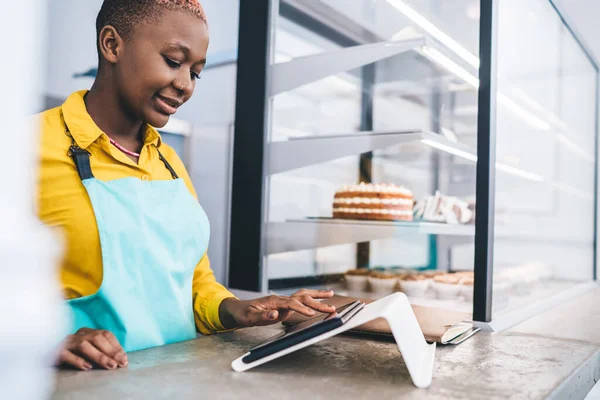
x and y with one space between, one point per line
356 283
30 301
415 288
382 286
446 290
440 208
450 135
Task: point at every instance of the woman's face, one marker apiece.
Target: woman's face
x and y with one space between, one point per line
159 65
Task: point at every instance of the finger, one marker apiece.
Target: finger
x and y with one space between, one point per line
261 317
270 316
316 294
102 343
119 356
87 350
290 303
279 316
316 305
70 359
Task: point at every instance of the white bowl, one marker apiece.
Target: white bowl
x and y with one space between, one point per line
415 288
382 286
446 290
356 283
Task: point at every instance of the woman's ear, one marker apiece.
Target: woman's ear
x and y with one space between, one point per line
110 43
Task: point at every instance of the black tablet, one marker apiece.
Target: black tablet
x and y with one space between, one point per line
304 331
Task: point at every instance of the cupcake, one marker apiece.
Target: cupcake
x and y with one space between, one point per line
399 271
447 286
414 284
465 274
466 288
433 274
356 279
383 282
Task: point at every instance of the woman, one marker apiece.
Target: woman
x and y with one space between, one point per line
135 273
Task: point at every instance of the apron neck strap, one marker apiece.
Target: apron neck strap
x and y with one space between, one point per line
164 160
81 157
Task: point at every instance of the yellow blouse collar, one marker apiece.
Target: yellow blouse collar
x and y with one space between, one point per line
83 128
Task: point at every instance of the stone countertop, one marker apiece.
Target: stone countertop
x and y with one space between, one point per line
527 361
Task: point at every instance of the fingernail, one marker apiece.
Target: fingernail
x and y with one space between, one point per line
112 365
87 367
123 363
272 315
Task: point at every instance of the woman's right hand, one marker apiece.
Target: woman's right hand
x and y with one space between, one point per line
92 347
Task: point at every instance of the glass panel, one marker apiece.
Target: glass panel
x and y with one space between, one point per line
545 151
330 105
426 95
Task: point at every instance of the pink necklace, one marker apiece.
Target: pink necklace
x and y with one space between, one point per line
123 149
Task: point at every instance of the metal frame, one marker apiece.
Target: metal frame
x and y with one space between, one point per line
575 35
249 149
486 154
596 143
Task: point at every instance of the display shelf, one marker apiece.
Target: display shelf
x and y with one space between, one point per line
305 151
312 233
304 234
299 152
303 70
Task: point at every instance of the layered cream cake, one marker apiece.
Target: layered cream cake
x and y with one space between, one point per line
384 202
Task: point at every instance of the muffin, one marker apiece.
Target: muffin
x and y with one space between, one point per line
433 274
356 279
447 286
383 282
415 284
465 274
399 271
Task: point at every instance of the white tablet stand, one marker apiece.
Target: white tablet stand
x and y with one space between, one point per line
417 353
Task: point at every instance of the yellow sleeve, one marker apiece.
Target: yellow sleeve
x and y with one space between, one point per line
208 295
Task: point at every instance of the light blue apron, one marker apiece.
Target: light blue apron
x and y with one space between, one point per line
153 234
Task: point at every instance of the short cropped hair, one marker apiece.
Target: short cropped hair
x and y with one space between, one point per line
125 15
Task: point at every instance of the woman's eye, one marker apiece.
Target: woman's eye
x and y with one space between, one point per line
195 75
171 63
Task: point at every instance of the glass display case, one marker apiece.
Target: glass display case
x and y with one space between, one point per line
546 134
414 145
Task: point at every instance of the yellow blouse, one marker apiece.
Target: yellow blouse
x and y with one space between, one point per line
64 204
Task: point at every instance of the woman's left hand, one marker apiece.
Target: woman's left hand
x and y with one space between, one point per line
273 309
